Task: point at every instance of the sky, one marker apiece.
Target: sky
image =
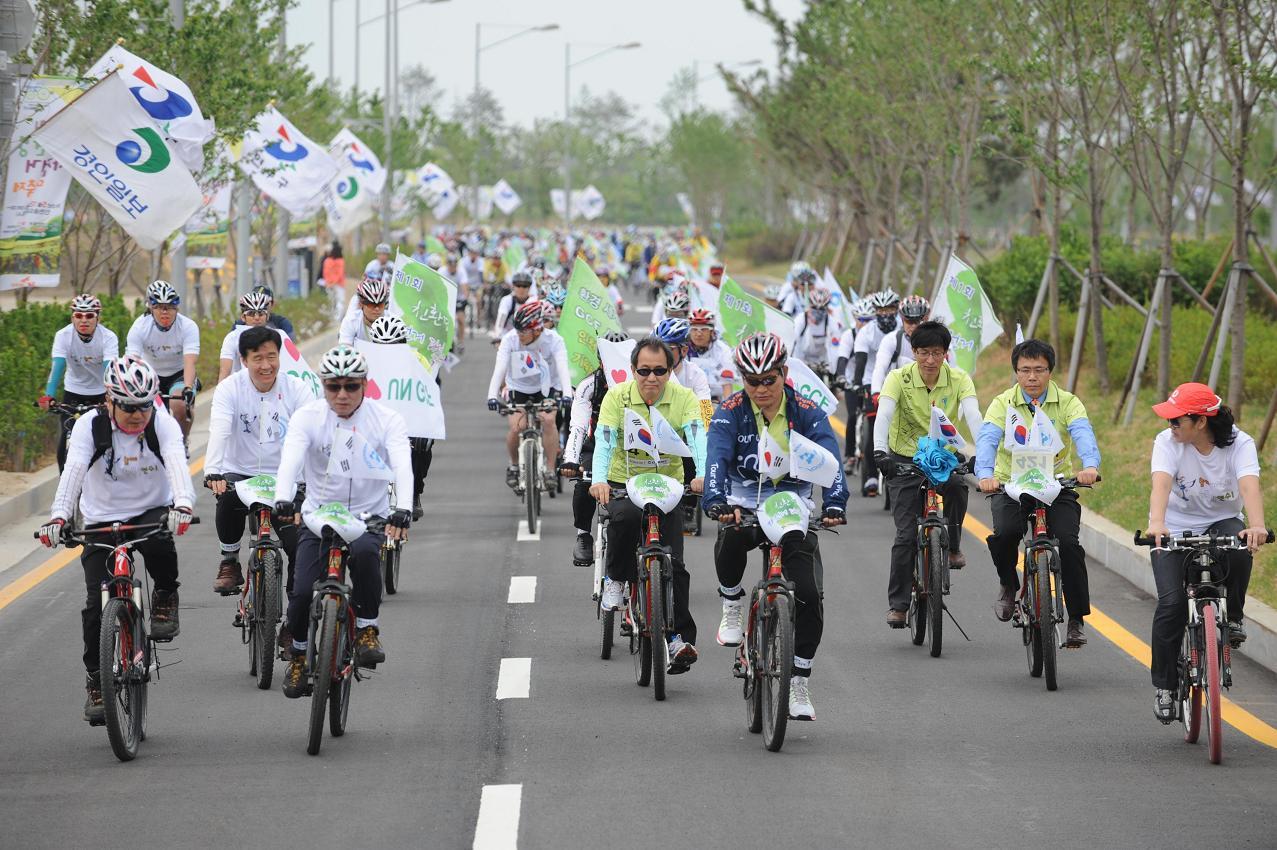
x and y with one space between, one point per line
526 73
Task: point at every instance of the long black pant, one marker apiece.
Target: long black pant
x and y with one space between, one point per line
625 533
1063 521
868 469
423 452
1171 616
64 421
583 503
798 556
232 516
158 554
363 573
853 414
906 506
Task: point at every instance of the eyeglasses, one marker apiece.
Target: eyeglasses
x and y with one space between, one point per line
646 371
83 316
928 354
761 382
335 387
1035 371
144 407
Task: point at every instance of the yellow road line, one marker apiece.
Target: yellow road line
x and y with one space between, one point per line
33 577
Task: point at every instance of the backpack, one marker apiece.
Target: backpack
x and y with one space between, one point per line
101 424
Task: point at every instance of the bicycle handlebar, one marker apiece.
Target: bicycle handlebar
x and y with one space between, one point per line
68 409
1065 484
547 405
749 519
903 468
81 535
1190 541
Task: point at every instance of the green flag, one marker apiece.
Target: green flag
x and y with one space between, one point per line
588 313
434 246
426 301
514 256
741 313
963 306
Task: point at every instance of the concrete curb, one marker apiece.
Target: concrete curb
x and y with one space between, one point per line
1114 547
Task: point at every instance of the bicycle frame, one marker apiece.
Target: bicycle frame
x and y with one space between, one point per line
260 529
653 548
332 584
1039 540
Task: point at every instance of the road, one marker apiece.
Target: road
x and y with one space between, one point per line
961 751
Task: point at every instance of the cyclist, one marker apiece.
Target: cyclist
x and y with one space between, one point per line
896 350
652 362
373 297
863 348
253 311
520 293
1205 481
246 428
712 354
125 463
170 343
81 351
308 444
1033 361
771 295
674 304
904 416
391 330
578 454
814 332
734 483
862 312
452 272
421 255
273 319
555 296
677 334
795 291
533 365
380 266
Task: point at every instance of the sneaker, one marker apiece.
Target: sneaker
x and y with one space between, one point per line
230 578
682 655
164 624
296 682
368 651
613 595
94 713
957 560
1076 636
800 707
849 465
285 641
549 481
512 476
897 619
417 511
1164 706
870 488
1004 604
583 551
731 629
1236 633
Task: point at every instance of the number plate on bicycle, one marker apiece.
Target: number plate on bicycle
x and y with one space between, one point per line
337 516
655 489
259 490
782 513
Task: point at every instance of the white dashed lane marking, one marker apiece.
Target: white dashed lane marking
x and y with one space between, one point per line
498 824
515 678
522 589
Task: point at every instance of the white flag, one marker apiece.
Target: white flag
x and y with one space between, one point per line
808 385
353 457
432 182
591 203
944 430
615 359
1043 436
667 439
810 461
351 153
506 199
348 197
399 378
445 202
166 99
638 435
1019 333
773 461
111 146
285 164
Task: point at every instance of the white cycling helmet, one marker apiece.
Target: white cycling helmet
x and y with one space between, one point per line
374 290
885 298
818 299
131 380
86 303
434 261
677 301
255 301
343 362
771 293
388 329
863 308
162 292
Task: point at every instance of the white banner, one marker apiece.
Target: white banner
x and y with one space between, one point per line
615 357
291 362
592 203
433 181
351 153
286 165
685 204
110 145
806 383
810 461
506 199
445 202
466 197
400 379
667 439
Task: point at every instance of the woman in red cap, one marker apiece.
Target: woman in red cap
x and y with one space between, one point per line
1205 481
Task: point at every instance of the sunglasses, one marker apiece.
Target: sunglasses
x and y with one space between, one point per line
646 371
1176 422
335 387
254 312
134 408
83 316
770 380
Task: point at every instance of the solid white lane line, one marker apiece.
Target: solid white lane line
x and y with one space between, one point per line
523 533
515 678
522 589
498 825
641 308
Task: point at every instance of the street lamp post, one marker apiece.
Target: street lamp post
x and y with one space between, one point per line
568 65
479 47
697 79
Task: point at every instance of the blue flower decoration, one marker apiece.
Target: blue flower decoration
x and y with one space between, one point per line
935 460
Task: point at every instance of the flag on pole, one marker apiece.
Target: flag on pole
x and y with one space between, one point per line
433 181
1016 433
354 457
588 313
963 306
808 384
506 199
351 153
639 437
810 461
285 164
943 429
1043 435
446 201
427 302
111 146
167 100
667 439
773 461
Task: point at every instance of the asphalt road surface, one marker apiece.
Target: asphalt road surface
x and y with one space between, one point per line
961 751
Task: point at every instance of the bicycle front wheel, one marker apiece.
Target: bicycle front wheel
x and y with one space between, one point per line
390 568
640 637
655 589
938 558
1046 617
1190 694
1214 685
751 654
531 490
339 692
778 659
265 612
609 631
322 674
121 649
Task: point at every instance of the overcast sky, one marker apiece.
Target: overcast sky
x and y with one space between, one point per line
526 74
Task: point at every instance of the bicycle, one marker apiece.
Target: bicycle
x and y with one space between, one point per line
531 462
126 650
931 564
607 619
1205 655
330 647
765 656
68 415
261 602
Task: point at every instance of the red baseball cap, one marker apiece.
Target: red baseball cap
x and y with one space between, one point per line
716 267
1189 400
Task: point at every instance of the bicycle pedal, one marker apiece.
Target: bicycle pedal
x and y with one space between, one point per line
238 622
577 563
155 639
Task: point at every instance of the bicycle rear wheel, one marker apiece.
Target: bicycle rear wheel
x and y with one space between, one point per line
778 659
390 568
1046 618
122 645
655 586
609 631
640 638
339 692
265 613
916 616
1190 695
531 489
751 654
322 674
938 558
1214 685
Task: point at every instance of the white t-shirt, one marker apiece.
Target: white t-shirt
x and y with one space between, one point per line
353 327
85 359
813 341
126 481
246 429
376 268
470 272
1204 488
163 349
506 309
693 377
230 346
718 366
525 368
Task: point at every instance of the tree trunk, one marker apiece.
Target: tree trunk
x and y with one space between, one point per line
1241 257
1053 283
1096 271
1164 338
